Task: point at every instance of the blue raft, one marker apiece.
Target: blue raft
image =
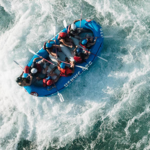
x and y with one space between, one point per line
65 81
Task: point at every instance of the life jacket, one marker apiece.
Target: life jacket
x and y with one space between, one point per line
84 46
47 82
39 68
78 59
65 72
26 69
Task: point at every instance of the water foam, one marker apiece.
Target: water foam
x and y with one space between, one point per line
104 106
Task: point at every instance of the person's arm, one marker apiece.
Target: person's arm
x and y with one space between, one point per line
75 49
58 68
57 46
58 76
65 43
21 74
51 41
48 51
91 44
77 20
27 84
53 54
35 59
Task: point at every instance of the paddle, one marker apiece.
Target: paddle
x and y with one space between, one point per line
54 28
59 94
18 64
81 12
40 56
55 37
75 65
57 59
93 54
65 23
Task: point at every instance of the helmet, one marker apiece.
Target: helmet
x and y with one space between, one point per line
84 41
19 79
33 70
79 50
62 34
48 78
62 65
48 45
73 26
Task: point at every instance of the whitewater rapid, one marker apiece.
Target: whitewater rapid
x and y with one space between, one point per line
107 107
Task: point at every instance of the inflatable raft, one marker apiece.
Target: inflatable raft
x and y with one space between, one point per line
63 82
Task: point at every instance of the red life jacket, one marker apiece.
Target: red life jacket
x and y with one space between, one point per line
65 72
26 69
39 68
84 46
47 82
77 59
44 82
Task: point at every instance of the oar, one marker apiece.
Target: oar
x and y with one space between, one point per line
40 56
54 28
18 64
57 59
93 54
81 12
75 65
59 94
65 23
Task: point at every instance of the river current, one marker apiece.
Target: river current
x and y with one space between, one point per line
107 107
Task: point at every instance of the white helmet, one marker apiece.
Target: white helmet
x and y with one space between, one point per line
73 26
33 70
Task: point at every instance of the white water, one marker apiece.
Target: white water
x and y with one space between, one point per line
106 107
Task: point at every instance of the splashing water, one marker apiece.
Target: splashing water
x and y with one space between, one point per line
107 107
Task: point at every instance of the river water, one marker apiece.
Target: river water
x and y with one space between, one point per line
106 108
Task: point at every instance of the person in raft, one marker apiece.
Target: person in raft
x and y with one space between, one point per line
64 43
24 81
73 31
64 70
88 42
37 69
65 40
80 55
52 48
51 79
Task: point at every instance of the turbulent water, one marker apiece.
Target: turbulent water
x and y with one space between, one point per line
106 108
